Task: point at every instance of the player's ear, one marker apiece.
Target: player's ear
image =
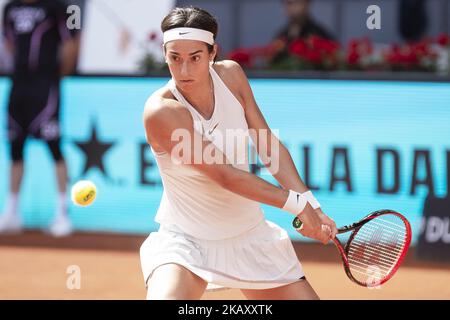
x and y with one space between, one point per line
213 53
164 52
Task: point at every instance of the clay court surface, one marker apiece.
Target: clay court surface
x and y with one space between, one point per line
34 266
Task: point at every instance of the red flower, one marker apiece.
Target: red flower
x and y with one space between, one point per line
366 46
420 48
316 42
395 48
323 45
392 58
152 36
410 58
353 45
353 58
443 39
313 56
406 56
358 48
331 46
242 57
298 48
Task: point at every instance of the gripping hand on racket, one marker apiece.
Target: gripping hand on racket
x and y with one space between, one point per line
317 225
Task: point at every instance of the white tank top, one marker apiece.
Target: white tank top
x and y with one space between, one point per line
191 200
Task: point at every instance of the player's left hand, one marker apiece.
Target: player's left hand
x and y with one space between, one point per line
328 224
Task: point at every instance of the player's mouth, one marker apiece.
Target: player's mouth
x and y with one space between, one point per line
187 81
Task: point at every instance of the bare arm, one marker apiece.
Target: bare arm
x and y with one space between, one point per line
278 160
69 55
9 46
163 117
276 156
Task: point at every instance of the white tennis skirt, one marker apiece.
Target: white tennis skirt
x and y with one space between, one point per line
261 258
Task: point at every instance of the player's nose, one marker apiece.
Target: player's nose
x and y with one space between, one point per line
184 69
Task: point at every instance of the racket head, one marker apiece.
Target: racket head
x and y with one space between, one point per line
376 247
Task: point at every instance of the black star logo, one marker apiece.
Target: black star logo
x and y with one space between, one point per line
94 150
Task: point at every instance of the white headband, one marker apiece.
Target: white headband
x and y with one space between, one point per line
189 34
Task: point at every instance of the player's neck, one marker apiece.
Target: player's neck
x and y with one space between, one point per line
202 98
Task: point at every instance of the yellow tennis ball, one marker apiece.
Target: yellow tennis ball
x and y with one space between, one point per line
84 193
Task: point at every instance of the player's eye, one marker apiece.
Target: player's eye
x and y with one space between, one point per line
196 58
175 58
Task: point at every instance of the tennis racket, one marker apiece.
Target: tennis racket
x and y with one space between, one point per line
376 247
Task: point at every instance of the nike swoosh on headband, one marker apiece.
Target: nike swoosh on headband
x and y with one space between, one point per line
188 34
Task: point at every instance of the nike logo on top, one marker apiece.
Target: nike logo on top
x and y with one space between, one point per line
183 33
298 197
214 128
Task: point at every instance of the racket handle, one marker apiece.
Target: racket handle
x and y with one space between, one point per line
297 224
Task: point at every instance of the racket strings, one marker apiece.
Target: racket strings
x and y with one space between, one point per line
382 261
389 250
387 240
391 244
375 249
372 254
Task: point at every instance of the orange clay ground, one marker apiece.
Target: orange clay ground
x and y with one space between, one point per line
34 266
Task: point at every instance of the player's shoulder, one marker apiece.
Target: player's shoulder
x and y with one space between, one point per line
229 68
160 99
231 74
162 105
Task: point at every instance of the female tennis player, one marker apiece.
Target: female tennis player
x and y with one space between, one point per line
213 233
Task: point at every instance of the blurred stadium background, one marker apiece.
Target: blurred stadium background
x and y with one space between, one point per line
373 133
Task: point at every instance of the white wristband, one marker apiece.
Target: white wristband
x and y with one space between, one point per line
295 203
311 199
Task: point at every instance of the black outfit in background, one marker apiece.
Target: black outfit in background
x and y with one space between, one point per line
36 31
413 19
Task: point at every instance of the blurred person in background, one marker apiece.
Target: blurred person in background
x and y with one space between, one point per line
300 25
5 62
413 20
44 50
